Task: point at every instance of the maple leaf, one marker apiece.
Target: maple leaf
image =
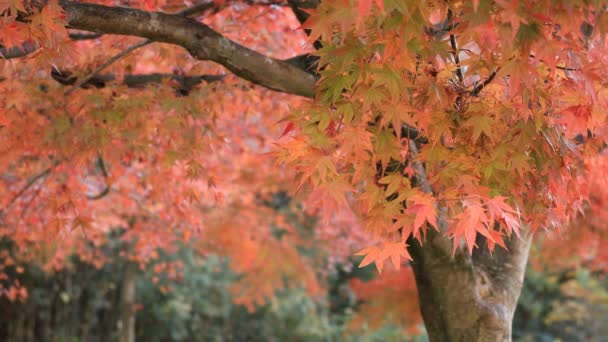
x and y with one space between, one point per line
497 206
290 126
364 6
481 124
471 221
357 140
13 6
424 207
14 34
510 9
389 250
394 182
499 210
520 162
194 169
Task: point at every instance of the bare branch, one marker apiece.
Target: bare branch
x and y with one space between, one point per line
185 82
107 64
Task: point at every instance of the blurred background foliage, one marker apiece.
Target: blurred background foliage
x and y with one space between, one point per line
564 305
185 296
182 296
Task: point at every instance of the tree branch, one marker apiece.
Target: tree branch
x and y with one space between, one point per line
188 12
455 53
101 165
478 88
33 180
17 51
29 47
199 39
107 64
136 80
441 242
185 13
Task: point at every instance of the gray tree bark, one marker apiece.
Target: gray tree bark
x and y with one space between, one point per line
469 297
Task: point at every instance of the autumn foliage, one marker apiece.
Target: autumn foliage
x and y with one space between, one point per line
174 167
511 105
482 121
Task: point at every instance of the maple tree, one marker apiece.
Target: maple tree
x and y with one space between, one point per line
442 132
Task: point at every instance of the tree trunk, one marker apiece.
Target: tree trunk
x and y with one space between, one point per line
469 297
126 330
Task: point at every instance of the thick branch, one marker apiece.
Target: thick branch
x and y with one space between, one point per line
199 39
29 47
195 10
187 12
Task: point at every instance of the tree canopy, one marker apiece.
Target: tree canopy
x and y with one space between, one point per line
413 130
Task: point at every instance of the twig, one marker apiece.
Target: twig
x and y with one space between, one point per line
455 52
28 204
28 185
478 88
565 68
104 171
109 62
416 70
456 58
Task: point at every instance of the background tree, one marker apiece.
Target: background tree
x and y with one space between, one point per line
452 129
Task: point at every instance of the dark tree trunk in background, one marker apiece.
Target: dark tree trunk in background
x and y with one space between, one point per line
126 329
